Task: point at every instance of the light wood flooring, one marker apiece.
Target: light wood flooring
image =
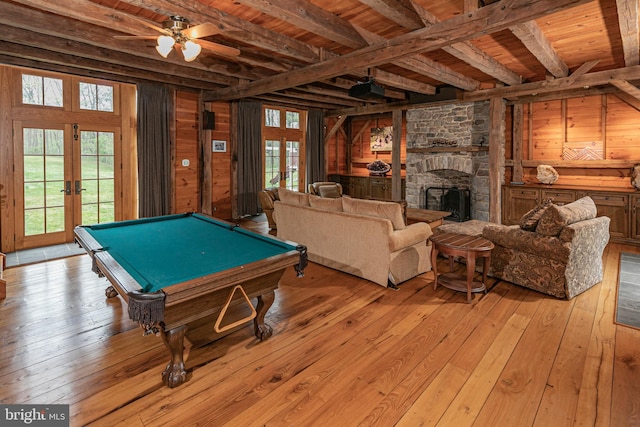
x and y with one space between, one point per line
345 352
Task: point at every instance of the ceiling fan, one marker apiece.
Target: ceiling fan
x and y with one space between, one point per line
178 33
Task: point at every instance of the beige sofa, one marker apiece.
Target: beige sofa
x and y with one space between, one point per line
365 238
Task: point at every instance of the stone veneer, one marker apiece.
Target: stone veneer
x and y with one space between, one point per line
457 125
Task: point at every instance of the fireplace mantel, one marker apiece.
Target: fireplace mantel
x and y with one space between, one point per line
462 149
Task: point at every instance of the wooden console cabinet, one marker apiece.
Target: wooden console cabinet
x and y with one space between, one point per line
622 206
367 187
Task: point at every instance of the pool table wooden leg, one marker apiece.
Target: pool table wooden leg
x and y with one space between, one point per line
174 374
263 330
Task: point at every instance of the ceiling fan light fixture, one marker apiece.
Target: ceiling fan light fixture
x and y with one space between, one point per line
165 44
190 50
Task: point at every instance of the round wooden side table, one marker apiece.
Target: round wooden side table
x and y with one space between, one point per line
469 247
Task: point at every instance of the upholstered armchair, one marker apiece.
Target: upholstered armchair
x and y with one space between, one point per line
326 189
556 250
267 197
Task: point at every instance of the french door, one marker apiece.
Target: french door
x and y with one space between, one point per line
65 175
283 148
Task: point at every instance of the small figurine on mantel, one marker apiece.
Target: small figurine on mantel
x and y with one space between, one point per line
635 176
547 174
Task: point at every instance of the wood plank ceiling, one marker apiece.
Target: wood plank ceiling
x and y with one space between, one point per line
308 53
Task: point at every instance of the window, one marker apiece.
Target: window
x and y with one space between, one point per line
283 148
39 90
96 97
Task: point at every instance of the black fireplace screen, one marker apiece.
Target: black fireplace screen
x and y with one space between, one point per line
450 199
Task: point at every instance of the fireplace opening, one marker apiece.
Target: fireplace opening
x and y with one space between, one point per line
450 199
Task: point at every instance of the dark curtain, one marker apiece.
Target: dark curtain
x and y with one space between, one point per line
249 156
155 106
315 147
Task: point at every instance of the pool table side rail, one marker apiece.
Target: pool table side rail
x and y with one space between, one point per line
104 264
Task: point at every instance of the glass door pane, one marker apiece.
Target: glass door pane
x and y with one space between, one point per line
43 211
96 186
272 163
292 175
44 181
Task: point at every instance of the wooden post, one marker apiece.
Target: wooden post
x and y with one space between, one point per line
518 117
497 114
396 180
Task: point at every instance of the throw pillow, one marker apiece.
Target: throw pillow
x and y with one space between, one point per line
293 197
529 221
556 217
580 210
388 210
327 204
551 221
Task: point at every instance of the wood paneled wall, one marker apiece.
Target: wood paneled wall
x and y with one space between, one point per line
221 162
204 185
603 123
186 176
350 154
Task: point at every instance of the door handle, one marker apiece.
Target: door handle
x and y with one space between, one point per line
78 189
67 188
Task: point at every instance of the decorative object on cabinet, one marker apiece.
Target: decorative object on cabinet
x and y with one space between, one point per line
547 174
378 168
635 176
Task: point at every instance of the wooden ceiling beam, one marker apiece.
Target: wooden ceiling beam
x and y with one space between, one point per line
427 67
402 82
232 27
40 59
628 23
537 43
311 18
98 34
627 88
486 20
566 83
470 54
402 12
77 49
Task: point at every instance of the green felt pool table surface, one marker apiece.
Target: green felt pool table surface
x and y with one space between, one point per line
163 251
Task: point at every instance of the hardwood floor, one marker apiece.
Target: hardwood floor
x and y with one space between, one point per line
344 352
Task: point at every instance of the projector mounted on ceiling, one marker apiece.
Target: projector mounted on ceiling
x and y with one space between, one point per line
367 90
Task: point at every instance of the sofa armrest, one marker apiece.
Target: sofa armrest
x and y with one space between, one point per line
414 233
513 237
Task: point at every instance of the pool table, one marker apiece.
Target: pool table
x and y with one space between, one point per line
177 269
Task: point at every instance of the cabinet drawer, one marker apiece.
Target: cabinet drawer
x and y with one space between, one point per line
610 199
524 193
559 197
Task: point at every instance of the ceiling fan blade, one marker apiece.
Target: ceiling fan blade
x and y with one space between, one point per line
149 24
201 30
218 48
135 37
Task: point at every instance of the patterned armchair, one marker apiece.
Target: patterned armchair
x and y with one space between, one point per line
556 250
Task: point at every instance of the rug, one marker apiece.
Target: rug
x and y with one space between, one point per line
628 306
47 253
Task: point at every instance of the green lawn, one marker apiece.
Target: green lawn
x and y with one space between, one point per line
44 200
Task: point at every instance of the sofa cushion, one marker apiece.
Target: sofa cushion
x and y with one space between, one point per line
293 197
529 221
556 217
389 210
327 204
329 191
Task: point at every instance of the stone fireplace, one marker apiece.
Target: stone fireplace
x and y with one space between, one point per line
447 146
